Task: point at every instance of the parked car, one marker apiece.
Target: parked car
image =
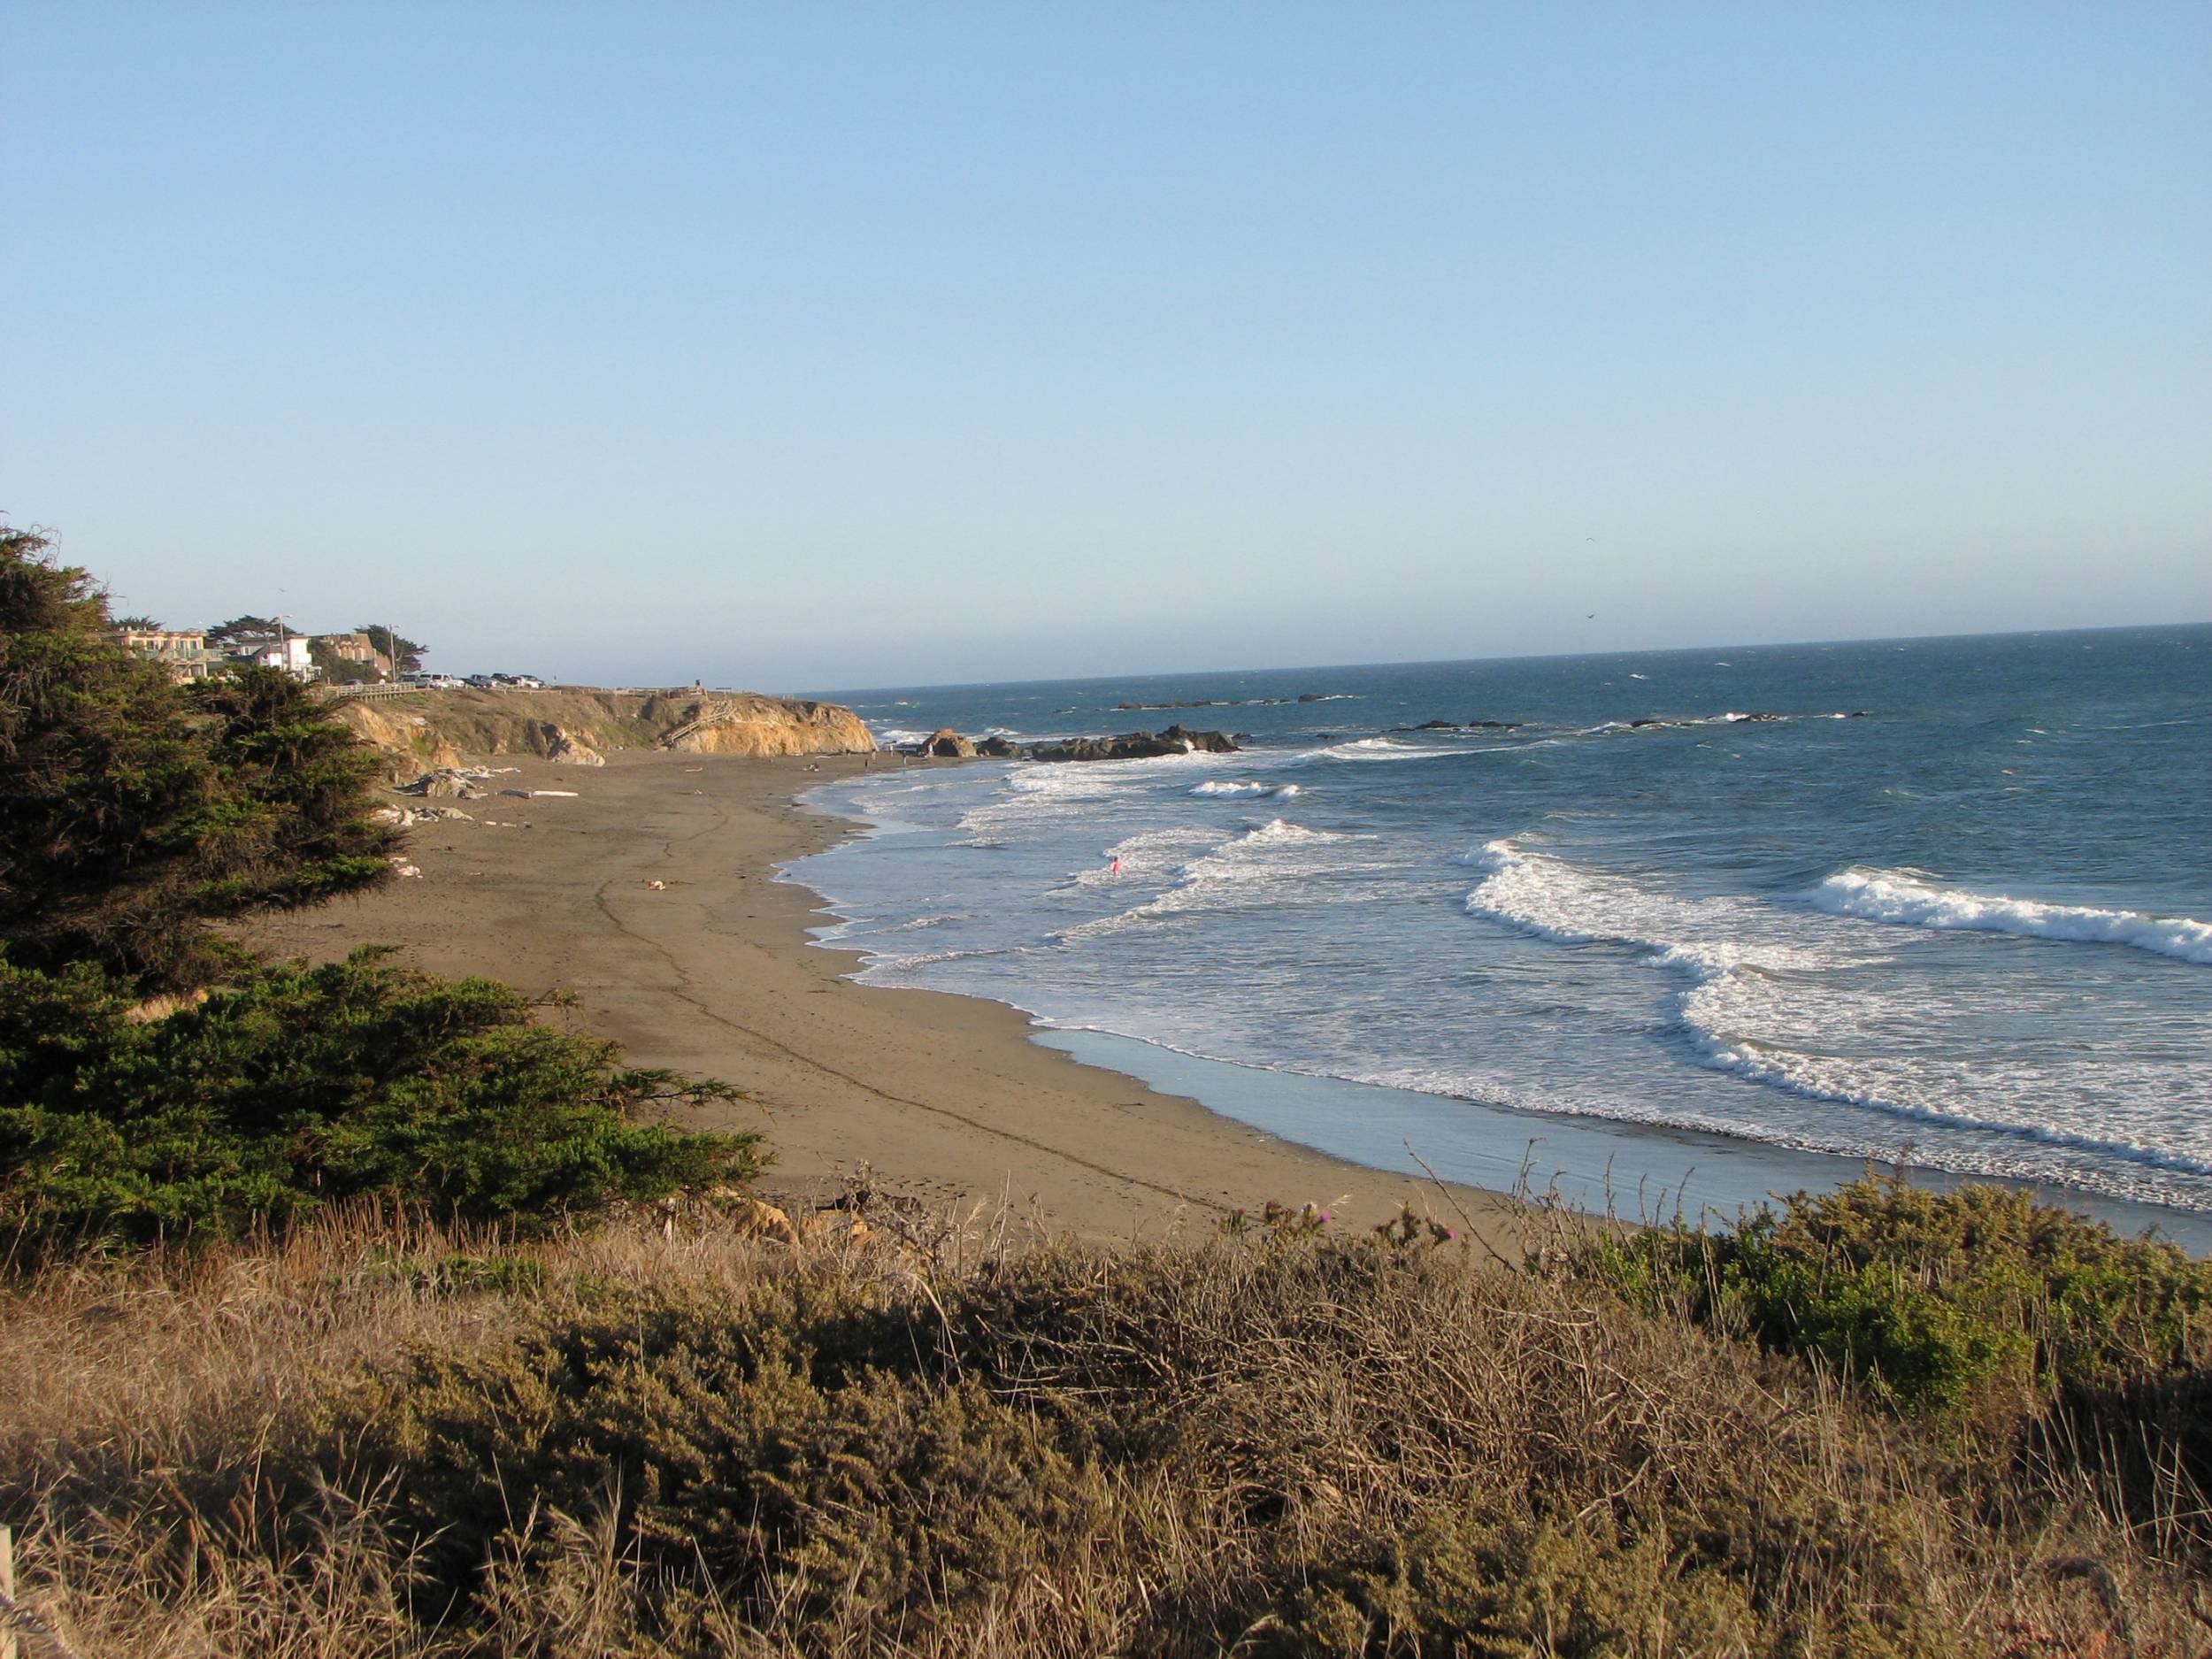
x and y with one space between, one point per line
482 682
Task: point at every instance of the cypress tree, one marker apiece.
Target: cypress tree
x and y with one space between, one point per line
134 812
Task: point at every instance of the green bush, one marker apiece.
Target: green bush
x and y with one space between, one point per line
1935 1301
296 1086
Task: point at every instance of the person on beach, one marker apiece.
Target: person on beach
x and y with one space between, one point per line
1114 869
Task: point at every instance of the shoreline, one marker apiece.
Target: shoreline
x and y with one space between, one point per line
939 1097
1619 1169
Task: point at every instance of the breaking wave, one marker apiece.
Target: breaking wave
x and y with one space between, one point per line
1264 865
1755 1002
1899 897
1245 786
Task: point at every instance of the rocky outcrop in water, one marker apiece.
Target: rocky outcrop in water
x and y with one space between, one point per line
1228 703
947 744
1177 740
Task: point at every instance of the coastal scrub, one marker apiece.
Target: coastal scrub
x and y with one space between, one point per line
382 1438
293 1087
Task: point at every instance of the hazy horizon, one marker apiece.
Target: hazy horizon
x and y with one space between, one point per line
1507 656
848 346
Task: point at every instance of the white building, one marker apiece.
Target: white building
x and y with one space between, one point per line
289 653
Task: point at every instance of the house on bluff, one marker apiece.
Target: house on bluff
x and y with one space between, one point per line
183 650
353 647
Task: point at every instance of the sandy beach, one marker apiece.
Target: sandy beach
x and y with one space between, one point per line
941 1097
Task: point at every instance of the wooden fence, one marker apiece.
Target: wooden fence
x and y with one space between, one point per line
339 694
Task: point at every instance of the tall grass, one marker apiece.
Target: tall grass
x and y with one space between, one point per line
374 1437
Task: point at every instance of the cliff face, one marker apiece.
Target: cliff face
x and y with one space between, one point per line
443 727
740 723
397 727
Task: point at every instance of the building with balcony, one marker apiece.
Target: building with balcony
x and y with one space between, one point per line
183 650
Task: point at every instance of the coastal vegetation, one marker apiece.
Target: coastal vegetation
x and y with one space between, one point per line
379 1436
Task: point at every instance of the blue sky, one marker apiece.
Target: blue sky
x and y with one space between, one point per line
823 345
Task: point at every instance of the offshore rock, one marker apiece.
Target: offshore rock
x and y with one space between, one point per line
1135 745
998 749
947 744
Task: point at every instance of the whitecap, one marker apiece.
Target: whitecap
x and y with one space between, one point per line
1748 970
1374 748
1907 901
1266 864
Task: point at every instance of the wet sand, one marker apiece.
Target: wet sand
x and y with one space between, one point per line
941 1097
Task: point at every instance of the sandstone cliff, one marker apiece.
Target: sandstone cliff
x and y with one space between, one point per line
742 723
441 729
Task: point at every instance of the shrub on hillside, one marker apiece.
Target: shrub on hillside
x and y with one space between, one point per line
295 1086
365 1443
1934 1301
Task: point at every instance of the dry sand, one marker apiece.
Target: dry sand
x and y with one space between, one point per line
943 1097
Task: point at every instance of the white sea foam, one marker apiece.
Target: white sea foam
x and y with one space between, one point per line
1573 904
1904 899
1244 786
914 926
1265 864
1761 1001
1371 748
1147 858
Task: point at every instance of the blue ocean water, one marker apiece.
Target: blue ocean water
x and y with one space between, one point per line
1942 901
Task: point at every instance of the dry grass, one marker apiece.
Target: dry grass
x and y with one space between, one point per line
376 1438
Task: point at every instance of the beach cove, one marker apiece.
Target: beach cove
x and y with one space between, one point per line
938 1096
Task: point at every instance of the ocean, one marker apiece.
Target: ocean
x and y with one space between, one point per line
1678 928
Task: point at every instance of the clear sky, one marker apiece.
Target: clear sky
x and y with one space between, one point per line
830 345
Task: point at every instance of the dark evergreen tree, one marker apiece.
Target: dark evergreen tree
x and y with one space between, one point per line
132 812
246 631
